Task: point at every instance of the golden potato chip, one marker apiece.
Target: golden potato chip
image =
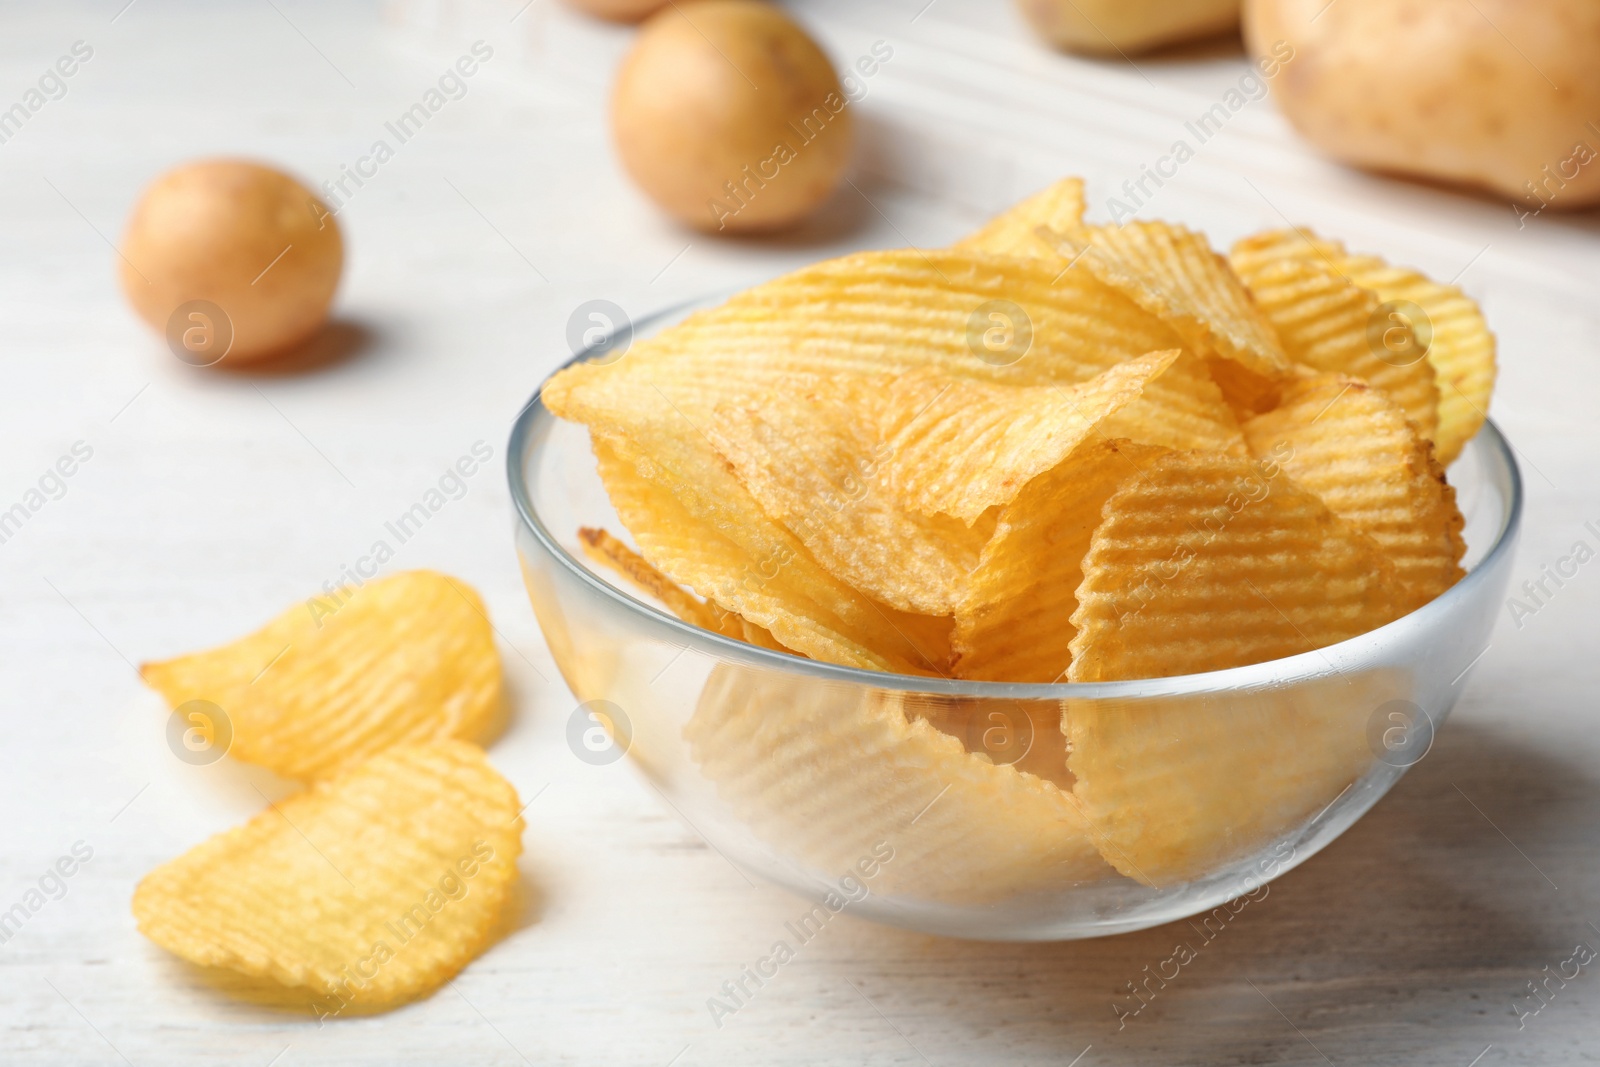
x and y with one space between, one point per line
1015 231
1175 788
1326 322
602 547
608 551
1457 341
1246 392
813 460
406 658
1011 625
1174 273
1204 562
369 889
873 313
752 634
834 773
1352 447
1182 409
962 447
882 314
686 519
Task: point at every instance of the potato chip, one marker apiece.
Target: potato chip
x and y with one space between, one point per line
813 460
602 547
1175 788
882 314
369 889
1174 273
1204 562
962 447
833 774
1011 625
1458 342
752 634
1246 392
1015 231
872 314
406 658
1350 445
1327 322
1183 409
768 577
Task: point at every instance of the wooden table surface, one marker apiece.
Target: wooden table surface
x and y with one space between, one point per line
210 501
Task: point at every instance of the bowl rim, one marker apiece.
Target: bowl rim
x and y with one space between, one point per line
1300 667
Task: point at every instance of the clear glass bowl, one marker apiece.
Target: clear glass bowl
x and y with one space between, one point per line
986 809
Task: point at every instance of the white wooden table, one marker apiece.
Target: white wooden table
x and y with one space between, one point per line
212 500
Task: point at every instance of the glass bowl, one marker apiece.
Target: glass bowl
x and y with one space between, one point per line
986 809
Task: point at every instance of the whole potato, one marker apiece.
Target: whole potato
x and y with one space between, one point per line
243 237
1112 27
1493 93
618 10
730 117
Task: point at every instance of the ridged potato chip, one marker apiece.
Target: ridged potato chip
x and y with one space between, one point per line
1327 322
1351 446
1204 562
1174 273
1011 625
369 889
1016 230
1174 788
881 314
606 549
815 463
1183 409
872 314
1458 344
405 658
686 519
831 773
963 447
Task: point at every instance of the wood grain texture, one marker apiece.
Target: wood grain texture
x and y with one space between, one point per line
211 501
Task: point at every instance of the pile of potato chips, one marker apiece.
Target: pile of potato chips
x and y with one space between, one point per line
1052 452
390 872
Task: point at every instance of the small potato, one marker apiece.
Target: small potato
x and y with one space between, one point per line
730 117
1112 27
618 10
1499 94
235 237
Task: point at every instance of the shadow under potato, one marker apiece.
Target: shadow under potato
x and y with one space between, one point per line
1422 911
339 341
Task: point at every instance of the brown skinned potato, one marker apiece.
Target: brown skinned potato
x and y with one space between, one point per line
1498 94
730 117
243 237
618 10
1112 27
